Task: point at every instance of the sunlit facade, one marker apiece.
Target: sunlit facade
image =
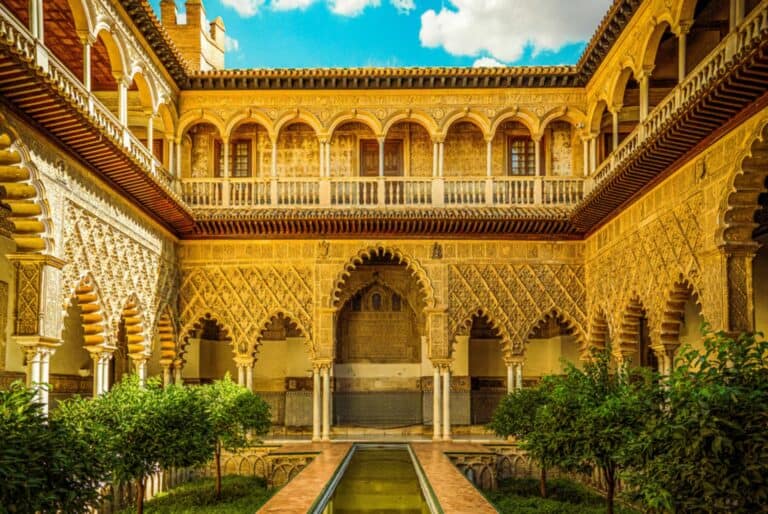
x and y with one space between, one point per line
375 247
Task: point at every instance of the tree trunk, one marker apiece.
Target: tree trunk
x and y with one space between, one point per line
610 481
140 486
217 455
543 482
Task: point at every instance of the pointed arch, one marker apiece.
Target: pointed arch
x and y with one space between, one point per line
466 326
629 332
411 264
291 319
408 116
196 324
298 116
249 116
741 200
524 116
364 117
564 319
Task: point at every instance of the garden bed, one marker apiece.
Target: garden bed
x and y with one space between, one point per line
521 496
239 494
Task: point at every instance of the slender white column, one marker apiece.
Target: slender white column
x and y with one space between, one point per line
435 158
737 13
519 375
326 405
615 128
381 157
96 374
44 380
316 404
489 158
104 372
87 64
441 160
141 370
249 377
321 148
122 101
585 157
645 82
592 154
166 376
150 133
447 403
241 375
178 379
328 158
510 378
436 399
36 18
537 156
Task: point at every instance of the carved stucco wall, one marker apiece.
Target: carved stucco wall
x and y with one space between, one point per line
517 284
673 234
98 233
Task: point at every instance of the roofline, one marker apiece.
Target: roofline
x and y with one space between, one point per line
606 34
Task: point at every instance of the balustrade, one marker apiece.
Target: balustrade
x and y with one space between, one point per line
389 192
15 35
709 69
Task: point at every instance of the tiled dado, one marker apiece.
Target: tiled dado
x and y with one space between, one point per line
455 493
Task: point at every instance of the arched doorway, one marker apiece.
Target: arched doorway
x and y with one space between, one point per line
282 372
381 356
551 344
487 370
207 352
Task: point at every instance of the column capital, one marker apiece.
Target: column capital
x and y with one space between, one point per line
645 72
36 342
36 258
683 27
245 360
442 364
321 364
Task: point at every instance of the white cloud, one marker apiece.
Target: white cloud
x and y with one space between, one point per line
504 28
403 6
245 8
231 44
351 7
289 5
488 62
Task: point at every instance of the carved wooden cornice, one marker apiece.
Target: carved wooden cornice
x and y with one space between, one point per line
475 223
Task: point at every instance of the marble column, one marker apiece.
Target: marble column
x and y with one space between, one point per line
178 365
316 394
615 127
381 157
489 158
166 375
645 82
122 101
87 45
141 370
519 375
249 377
326 404
537 156
446 403
510 377
436 399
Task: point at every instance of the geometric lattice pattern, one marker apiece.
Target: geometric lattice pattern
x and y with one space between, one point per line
121 267
245 298
516 297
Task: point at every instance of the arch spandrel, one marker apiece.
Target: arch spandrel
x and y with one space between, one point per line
192 118
356 116
249 116
421 118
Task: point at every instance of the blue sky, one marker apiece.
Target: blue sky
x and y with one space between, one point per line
351 33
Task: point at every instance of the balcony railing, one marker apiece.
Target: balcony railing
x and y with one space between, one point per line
395 192
700 78
15 35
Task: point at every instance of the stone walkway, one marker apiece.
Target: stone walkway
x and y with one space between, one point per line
454 492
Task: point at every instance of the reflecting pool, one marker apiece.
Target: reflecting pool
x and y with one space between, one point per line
380 480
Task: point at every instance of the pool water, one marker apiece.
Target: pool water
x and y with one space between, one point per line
378 481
